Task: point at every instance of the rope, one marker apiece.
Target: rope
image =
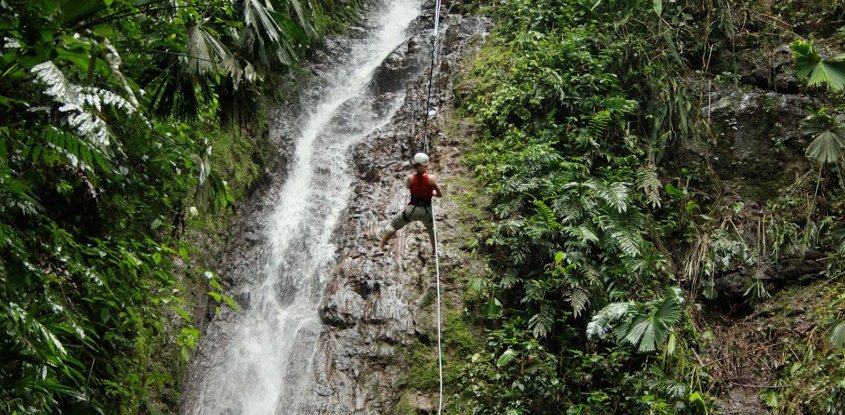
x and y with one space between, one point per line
426 144
439 335
426 141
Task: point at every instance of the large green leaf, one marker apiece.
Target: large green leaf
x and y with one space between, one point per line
204 52
837 337
506 357
828 145
816 70
650 330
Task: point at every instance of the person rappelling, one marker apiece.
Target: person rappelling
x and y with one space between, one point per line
423 187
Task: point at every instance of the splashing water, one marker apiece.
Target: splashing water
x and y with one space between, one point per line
266 364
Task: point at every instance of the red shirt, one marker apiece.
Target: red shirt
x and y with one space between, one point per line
421 189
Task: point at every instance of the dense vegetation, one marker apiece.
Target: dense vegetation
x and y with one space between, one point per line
605 245
111 138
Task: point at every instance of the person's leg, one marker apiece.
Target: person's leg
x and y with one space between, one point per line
398 222
424 215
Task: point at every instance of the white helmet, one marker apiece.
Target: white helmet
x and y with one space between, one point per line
421 159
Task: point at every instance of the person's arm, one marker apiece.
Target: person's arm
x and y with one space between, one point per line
436 188
409 180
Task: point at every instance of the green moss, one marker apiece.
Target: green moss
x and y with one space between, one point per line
808 368
236 158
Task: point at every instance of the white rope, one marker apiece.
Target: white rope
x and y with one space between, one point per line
426 139
439 346
434 225
436 25
425 148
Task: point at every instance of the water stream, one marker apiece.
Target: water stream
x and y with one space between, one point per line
266 363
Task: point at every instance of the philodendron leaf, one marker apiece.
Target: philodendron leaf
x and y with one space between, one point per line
838 335
657 5
493 308
506 357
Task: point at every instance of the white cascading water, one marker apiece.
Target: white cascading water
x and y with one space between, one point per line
266 368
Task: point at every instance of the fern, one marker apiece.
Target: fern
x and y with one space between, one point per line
615 109
542 323
647 182
535 291
583 234
603 322
614 194
79 152
547 214
579 299
80 106
600 122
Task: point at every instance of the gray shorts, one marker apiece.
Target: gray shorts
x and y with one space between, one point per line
409 214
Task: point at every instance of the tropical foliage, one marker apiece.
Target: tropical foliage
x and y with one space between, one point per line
576 109
106 152
605 247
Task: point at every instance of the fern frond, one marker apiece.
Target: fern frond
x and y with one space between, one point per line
547 214
79 153
582 233
628 243
607 318
478 286
535 291
647 182
600 122
76 102
542 323
614 194
579 299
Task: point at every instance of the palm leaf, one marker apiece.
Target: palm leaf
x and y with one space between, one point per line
669 312
828 145
303 19
649 330
817 70
204 52
258 17
641 331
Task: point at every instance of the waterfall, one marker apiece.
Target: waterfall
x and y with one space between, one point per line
265 365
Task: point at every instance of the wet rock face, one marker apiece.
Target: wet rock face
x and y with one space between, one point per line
755 150
769 69
375 304
756 145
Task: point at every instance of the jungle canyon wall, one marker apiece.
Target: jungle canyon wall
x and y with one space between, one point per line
373 307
